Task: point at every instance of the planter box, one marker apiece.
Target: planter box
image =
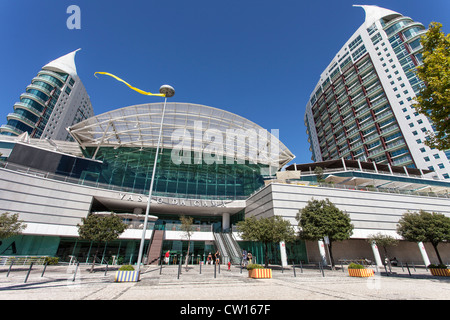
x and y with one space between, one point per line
127 276
360 272
440 272
260 273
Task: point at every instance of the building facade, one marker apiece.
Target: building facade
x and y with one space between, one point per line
361 108
55 100
210 162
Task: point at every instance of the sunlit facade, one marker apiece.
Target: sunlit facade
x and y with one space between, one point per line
55 99
361 108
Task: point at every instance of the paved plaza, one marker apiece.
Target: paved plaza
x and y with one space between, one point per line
308 283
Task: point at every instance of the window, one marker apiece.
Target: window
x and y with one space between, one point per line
441 166
436 156
446 176
422 150
427 159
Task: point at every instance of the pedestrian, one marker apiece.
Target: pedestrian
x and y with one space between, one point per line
166 257
249 256
217 257
244 258
209 261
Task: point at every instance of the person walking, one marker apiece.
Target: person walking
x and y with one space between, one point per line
166 257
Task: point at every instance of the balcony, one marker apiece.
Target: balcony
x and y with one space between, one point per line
21 105
21 118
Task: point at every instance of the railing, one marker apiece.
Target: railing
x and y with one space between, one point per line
94 184
22 260
373 189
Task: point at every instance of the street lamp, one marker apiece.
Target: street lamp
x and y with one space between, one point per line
168 92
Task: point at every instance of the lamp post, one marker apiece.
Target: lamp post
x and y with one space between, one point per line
168 92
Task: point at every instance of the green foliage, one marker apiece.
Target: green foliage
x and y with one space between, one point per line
100 228
383 240
318 171
355 266
425 227
266 230
437 266
10 225
126 267
254 266
51 260
321 218
434 100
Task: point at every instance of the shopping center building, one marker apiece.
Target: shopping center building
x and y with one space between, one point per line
219 167
214 166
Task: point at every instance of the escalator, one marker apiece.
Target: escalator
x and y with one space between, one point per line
228 247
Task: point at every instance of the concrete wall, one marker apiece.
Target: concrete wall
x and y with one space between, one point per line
370 212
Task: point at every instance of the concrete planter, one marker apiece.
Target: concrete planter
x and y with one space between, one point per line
360 273
127 276
260 273
440 272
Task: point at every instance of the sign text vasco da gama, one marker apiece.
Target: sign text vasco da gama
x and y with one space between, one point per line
173 201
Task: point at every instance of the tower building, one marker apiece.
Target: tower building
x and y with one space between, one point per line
55 100
361 108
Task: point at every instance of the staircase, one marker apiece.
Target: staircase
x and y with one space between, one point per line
228 247
154 251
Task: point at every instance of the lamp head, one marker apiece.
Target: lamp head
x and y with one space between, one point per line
167 90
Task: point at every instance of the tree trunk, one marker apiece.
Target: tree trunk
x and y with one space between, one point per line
187 255
95 257
331 257
437 252
266 255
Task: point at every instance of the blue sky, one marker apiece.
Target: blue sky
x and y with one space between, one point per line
258 59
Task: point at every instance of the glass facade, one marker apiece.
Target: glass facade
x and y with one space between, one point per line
131 168
31 114
354 119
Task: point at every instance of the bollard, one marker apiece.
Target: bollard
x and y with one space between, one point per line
10 266
75 273
293 268
321 269
342 266
160 269
28 273
301 267
385 269
106 269
407 267
45 267
201 267
179 268
215 270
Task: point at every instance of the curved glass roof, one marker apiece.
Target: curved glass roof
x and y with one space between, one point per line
196 127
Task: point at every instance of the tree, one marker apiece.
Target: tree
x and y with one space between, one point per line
10 225
99 229
266 230
424 226
434 99
384 241
186 226
320 219
318 171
